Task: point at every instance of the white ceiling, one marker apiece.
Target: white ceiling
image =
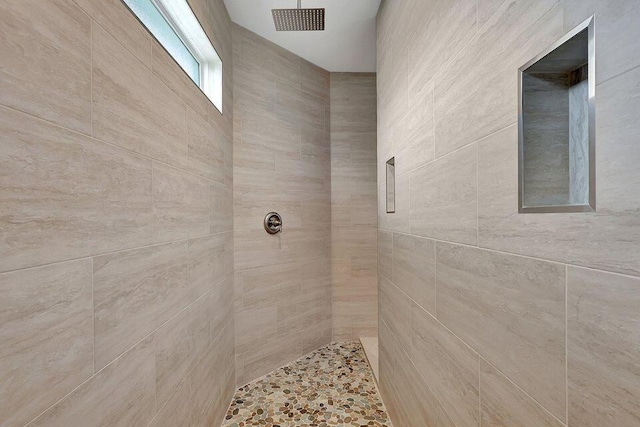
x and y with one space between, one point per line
348 42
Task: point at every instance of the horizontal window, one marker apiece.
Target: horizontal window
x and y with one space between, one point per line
175 26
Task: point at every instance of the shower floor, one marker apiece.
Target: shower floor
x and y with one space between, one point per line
332 386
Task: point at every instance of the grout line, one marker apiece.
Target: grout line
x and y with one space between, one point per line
566 343
458 149
472 349
134 153
129 249
91 24
479 392
513 254
93 312
477 194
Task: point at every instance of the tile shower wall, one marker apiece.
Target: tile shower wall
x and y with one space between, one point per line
282 164
353 206
489 317
116 242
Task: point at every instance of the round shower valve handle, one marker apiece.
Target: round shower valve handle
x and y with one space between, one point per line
273 223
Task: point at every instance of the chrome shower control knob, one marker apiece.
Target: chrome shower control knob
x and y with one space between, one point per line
273 223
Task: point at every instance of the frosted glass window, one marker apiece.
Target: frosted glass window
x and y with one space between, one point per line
156 23
176 27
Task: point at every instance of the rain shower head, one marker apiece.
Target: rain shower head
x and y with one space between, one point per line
298 19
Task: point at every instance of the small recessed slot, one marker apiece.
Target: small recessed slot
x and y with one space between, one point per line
557 126
391 185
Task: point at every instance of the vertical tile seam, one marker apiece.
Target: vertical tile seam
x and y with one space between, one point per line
480 356
91 78
566 342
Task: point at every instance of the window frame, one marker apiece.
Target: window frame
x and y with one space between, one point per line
210 66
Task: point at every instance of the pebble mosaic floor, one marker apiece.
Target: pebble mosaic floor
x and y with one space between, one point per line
332 386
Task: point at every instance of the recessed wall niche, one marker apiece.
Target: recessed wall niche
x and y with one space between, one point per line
556 161
391 185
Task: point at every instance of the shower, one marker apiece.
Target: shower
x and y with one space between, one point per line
298 19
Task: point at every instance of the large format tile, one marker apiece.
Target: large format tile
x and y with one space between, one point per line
444 198
115 17
46 330
46 61
447 27
471 105
206 148
607 239
269 285
207 263
603 348
54 193
448 365
618 48
504 405
180 342
413 135
512 311
177 411
255 328
274 353
414 268
134 293
133 108
419 405
395 310
212 381
122 395
181 204
385 253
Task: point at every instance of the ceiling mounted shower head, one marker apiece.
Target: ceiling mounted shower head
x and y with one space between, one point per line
298 19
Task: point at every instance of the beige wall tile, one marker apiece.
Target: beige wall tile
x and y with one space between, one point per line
46 61
414 268
180 343
181 204
314 80
46 329
414 401
469 106
280 163
54 186
206 148
134 293
444 198
212 381
511 310
612 241
122 394
206 264
395 311
503 404
603 335
413 136
132 108
271 355
221 306
115 17
255 328
177 411
448 365
618 47
267 286
69 196
221 208
385 253
446 29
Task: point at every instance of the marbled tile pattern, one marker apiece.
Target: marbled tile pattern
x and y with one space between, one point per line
332 386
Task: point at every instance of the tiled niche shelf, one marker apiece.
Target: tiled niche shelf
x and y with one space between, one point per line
556 123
